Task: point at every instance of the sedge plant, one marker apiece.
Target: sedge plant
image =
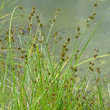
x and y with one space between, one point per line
32 78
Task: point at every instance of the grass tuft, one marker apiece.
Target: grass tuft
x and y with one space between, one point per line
35 77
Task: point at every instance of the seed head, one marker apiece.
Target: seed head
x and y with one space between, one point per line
20 7
95 5
34 8
68 39
29 17
78 28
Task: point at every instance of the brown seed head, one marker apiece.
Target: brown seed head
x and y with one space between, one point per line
37 16
29 17
30 25
76 36
20 7
90 68
58 9
64 45
41 25
87 24
66 49
53 20
94 13
95 55
72 68
95 5
98 70
78 28
38 21
33 11
75 69
31 14
34 8
92 17
68 39
56 33
75 56
97 80
77 51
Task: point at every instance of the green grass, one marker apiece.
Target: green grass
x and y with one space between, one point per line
33 78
